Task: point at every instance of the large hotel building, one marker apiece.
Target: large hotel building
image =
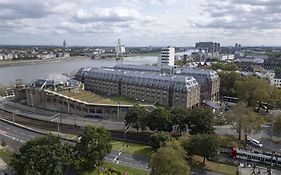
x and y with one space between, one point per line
162 89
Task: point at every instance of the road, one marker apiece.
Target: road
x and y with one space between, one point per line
15 136
263 136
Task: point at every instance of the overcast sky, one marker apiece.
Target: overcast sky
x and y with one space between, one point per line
140 22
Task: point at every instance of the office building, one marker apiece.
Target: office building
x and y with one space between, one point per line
209 47
167 57
276 80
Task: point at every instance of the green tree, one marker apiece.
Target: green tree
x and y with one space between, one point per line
201 121
92 148
159 119
277 124
180 117
252 90
43 155
159 139
227 83
243 119
223 66
205 145
136 117
169 160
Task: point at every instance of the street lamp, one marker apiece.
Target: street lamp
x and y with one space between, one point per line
58 115
32 102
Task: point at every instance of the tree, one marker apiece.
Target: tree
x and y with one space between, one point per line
227 83
201 121
169 159
43 155
92 148
277 124
3 143
252 90
222 66
159 119
159 139
205 145
180 117
136 117
243 119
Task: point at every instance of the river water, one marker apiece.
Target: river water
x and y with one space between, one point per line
28 73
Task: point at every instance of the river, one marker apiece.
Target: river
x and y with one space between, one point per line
28 73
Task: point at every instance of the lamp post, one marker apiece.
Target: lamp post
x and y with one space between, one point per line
13 115
32 102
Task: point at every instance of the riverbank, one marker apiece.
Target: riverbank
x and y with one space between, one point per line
10 63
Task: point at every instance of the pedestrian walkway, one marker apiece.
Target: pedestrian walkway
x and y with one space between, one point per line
257 171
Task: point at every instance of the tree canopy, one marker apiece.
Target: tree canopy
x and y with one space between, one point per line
277 124
227 83
43 155
201 121
159 139
159 119
222 66
169 159
92 148
205 145
243 119
136 117
49 156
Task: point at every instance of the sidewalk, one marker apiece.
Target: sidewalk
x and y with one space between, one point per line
257 171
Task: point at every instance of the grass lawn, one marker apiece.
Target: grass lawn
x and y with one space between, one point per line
90 97
87 97
124 169
197 162
133 148
5 154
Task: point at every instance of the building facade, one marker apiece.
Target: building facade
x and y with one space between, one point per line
208 80
167 57
162 89
209 47
276 80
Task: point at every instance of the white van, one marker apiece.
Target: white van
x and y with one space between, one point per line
255 143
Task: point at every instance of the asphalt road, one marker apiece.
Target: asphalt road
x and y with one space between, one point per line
263 136
16 136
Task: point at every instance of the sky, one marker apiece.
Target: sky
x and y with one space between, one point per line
140 22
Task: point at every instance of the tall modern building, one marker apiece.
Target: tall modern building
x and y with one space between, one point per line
167 57
64 44
209 47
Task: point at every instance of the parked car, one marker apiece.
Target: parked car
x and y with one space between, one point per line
255 142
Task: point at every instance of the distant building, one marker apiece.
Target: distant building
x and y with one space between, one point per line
276 80
209 47
64 44
271 64
167 57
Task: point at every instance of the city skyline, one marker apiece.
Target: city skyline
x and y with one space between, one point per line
140 23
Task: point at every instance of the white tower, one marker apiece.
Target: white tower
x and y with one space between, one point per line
120 49
167 57
64 44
